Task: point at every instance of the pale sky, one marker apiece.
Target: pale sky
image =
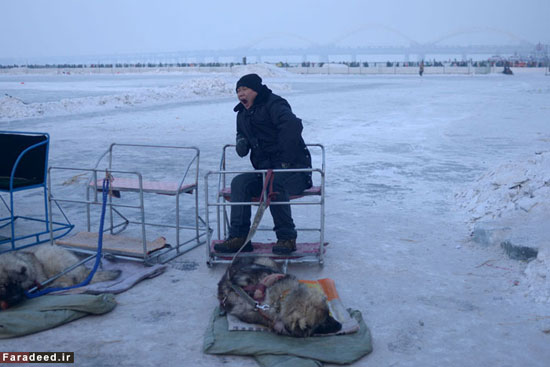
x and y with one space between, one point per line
40 28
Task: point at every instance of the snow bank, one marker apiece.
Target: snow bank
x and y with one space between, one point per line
161 70
263 70
335 66
516 198
538 276
196 89
515 189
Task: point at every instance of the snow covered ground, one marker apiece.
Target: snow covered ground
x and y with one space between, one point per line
414 166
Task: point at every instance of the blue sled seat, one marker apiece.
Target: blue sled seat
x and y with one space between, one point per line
24 166
24 160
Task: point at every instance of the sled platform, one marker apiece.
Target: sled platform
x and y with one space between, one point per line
114 245
132 185
305 252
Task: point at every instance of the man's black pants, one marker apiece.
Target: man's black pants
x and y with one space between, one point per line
248 185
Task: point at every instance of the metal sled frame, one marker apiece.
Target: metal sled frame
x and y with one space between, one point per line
305 253
132 181
21 174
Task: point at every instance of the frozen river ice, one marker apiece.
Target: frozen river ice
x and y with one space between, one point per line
399 149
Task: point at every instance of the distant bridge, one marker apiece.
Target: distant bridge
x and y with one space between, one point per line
335 50
330 53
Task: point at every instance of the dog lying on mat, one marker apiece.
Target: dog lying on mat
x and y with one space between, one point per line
257 292
22 270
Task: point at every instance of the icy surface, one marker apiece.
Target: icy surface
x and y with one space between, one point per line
412 164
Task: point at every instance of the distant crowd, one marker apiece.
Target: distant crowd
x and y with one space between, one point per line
429 63
365 64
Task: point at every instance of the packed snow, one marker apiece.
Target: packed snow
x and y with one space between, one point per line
195 89
12 108
515 197
414 166
265 70
514 189
538 276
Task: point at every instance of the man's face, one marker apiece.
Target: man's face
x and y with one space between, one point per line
246 96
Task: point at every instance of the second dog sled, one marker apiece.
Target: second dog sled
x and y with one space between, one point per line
136 171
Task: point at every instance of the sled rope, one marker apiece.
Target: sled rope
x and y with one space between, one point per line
106 192
270 194
265 200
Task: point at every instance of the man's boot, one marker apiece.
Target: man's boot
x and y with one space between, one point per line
284 247
232 245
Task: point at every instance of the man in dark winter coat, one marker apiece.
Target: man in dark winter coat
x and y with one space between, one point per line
267 128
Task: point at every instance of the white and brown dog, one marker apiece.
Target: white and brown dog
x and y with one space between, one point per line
21 270
285 305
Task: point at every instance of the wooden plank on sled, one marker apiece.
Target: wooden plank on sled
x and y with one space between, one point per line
303 249
116 245
132 184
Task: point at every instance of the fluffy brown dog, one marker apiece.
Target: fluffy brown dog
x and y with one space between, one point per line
292 308
21 270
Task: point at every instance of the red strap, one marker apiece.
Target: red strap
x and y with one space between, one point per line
269 177
256 291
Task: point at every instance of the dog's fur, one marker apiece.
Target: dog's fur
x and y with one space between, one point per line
294 308
22 270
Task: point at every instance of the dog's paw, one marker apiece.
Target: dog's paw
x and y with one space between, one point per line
279 327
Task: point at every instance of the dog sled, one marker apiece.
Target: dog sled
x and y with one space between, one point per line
140 176
312 244
24 157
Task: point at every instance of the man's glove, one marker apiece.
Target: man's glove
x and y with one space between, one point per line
242 147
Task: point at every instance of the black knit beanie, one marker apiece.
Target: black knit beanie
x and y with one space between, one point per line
252 81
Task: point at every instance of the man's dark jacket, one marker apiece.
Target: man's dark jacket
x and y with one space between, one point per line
273 133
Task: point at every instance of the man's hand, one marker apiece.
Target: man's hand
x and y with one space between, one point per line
285 165
242 147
